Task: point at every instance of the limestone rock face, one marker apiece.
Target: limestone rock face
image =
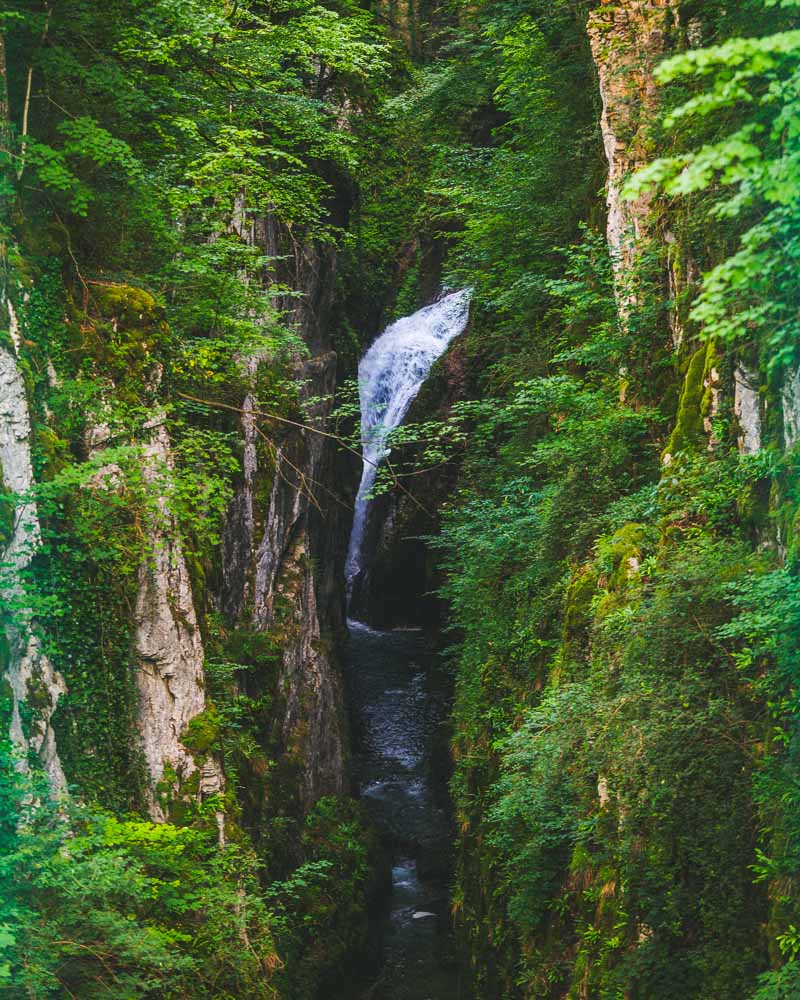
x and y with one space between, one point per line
627 41
296 591
790 403
31 677
283 557
746 406
168 649
167 646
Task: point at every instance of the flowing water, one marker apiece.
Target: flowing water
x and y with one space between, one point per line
389 377
398 697
399 702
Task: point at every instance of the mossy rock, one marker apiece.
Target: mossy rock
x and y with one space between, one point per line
753 507
168 783
6 691
51 452
180 800
6 343
37 694
131 307
581 862
619 555
125 330
580 593
788 518
202 731
8 507
578 600
695 404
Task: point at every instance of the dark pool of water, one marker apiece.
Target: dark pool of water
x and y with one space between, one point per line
399 702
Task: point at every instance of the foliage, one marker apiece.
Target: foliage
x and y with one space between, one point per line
744 113
624 638
167 172
142 141
96 906
592 593
767 654
322 908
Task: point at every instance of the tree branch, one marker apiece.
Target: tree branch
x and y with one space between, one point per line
313 430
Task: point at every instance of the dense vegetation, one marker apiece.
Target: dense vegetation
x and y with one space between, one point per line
620 554
625 780
137 140
620 568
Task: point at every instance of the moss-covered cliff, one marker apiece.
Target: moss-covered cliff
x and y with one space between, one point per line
208 210
174 517
615 514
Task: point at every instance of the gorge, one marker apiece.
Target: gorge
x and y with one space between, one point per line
390 375
393 684
486 685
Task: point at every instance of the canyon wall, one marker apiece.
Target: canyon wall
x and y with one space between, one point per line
34 684
285 537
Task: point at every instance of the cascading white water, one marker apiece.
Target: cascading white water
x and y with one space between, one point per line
389 377
393 686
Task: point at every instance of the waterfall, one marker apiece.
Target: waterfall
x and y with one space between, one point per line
398 698
389 377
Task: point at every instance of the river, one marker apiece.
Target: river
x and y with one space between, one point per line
397 692
399 702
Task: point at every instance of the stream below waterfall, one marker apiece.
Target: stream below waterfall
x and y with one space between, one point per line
399 701
398 696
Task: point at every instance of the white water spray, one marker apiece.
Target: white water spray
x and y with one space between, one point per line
389 377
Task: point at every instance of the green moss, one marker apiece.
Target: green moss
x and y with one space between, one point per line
619 555
124 329
581 860
6 692
202 731
695 403
51 452
166 788
28 719
37 695
8 506
129 305
791 534
772 409
580 968
180 799
578 600
580 593
688 428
